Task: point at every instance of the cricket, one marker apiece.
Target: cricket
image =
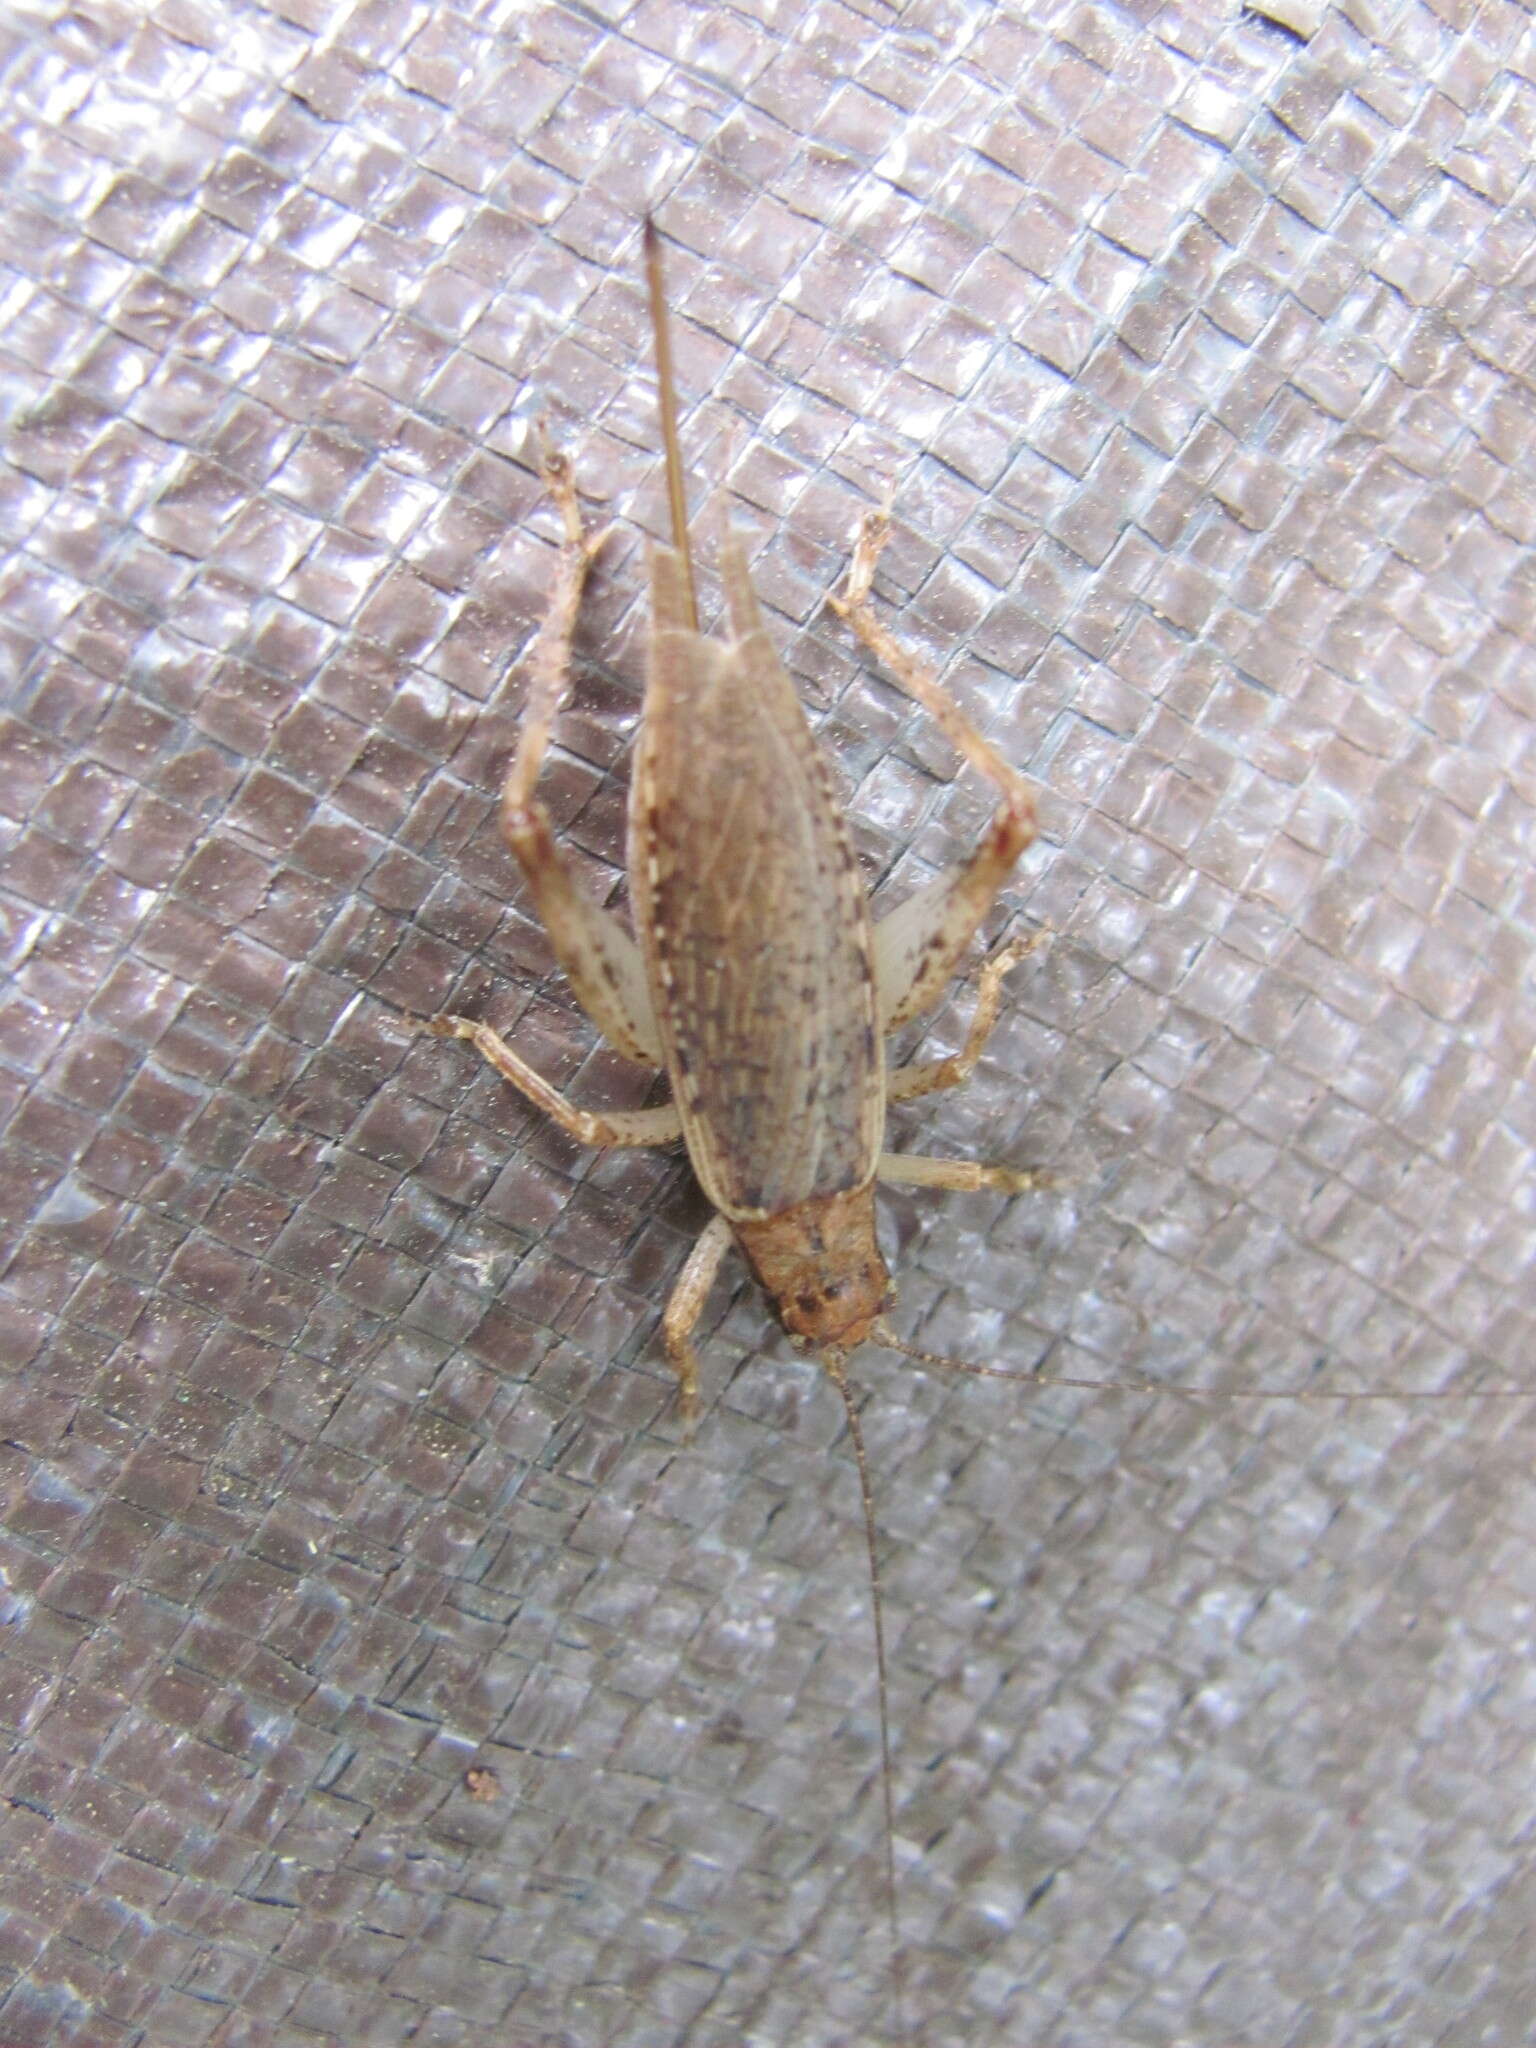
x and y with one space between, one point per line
757 979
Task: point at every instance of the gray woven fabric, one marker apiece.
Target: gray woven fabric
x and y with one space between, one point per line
376 1664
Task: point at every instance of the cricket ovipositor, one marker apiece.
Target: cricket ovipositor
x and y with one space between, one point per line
757 979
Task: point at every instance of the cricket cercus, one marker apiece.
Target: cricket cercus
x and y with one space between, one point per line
757 978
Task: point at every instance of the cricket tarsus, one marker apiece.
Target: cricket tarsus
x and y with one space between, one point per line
666 386
549 667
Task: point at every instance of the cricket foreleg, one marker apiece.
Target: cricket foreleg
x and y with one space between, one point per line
926 1077
963 1176
601 960
686 1305
661 1126
916 947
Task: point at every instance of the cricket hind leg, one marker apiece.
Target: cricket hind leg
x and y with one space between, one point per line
596 1127
918 944
601 960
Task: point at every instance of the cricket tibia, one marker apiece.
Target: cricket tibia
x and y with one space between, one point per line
666 385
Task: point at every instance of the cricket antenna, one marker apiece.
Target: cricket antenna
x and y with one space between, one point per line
882 1333
677 496
833 1363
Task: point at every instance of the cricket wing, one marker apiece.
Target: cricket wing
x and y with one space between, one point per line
752 918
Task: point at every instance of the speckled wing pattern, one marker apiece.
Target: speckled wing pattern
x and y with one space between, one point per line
752 916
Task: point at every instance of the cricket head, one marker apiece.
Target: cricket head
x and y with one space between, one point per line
821 1266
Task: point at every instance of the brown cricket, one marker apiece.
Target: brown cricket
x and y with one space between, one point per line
759 981
757 978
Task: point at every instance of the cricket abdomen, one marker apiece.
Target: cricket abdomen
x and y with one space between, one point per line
821 1266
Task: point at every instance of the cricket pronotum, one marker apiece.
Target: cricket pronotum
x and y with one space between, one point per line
757 978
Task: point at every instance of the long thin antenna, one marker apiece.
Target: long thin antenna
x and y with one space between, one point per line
677 496
883 1334
833 1362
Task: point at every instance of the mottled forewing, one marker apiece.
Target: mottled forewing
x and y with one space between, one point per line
753 922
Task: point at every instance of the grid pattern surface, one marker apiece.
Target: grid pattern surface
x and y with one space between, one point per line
376 1662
